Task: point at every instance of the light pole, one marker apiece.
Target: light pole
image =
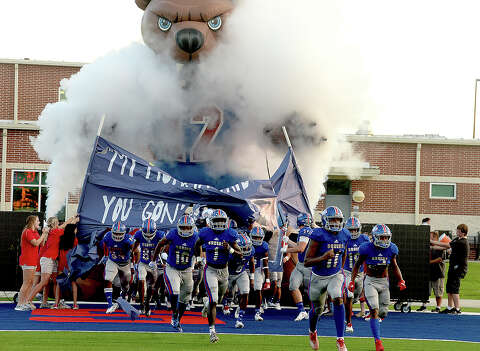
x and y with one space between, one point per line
475 107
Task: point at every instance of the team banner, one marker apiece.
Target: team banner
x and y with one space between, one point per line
120 186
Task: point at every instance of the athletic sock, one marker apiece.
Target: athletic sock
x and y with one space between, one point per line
181 309
339 316
312 319
300 307
108 295
375 326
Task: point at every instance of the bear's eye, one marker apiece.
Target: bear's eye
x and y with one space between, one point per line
164 24
215 23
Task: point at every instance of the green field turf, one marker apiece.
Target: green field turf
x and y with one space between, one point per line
470 286
84 341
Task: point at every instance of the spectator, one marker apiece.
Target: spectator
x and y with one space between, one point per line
29 242
67 242
437 274
426 221
457 268
48 259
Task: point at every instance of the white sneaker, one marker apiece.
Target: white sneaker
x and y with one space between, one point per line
22 308
62 305
277 306
205 307
237 312
31 306
239 324
301 316
349 328
112 308
258 317
213 337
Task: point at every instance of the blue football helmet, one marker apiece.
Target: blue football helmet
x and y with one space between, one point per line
232 224
245 244
218 220
118 231
186 226
382 236
328 215
257 235
149 227
304 219
354 227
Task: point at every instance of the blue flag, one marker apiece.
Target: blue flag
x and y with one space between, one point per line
119 186
288 185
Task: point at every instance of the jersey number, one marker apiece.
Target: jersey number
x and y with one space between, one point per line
182 257
332 262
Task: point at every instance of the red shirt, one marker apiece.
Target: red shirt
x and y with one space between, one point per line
62 258
52 243
29 252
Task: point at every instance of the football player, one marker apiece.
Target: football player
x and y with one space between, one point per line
218 241
326 256
146 239
377 255
118 247
238 275
261 274
354 227
301 274
178 269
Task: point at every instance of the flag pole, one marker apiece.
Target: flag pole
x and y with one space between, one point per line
295 164
99 131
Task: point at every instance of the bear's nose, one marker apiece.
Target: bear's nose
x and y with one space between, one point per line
189 40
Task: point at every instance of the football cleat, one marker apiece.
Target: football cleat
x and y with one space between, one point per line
112 308
378 345
213 337
239 324
301 316
237 312
349 328
258 317
313 340
226 310
75 307
341 345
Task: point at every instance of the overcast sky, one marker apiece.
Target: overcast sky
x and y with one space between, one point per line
421 58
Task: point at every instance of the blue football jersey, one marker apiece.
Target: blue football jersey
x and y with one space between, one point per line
378 258
303 233
147 246
260 253
118 251
181 250
213 245
327 241
237 264
353 245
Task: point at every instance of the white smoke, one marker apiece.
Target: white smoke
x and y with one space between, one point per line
274 62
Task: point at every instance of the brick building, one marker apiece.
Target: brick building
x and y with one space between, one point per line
403 178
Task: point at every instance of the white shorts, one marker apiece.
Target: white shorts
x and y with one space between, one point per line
276 276
48 265
112 269
242 281
26 268
258 279
143 269
358 285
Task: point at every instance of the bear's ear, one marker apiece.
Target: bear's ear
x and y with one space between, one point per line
142 3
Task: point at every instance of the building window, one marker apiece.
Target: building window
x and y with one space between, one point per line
337 187
443 191
30 192
61 94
